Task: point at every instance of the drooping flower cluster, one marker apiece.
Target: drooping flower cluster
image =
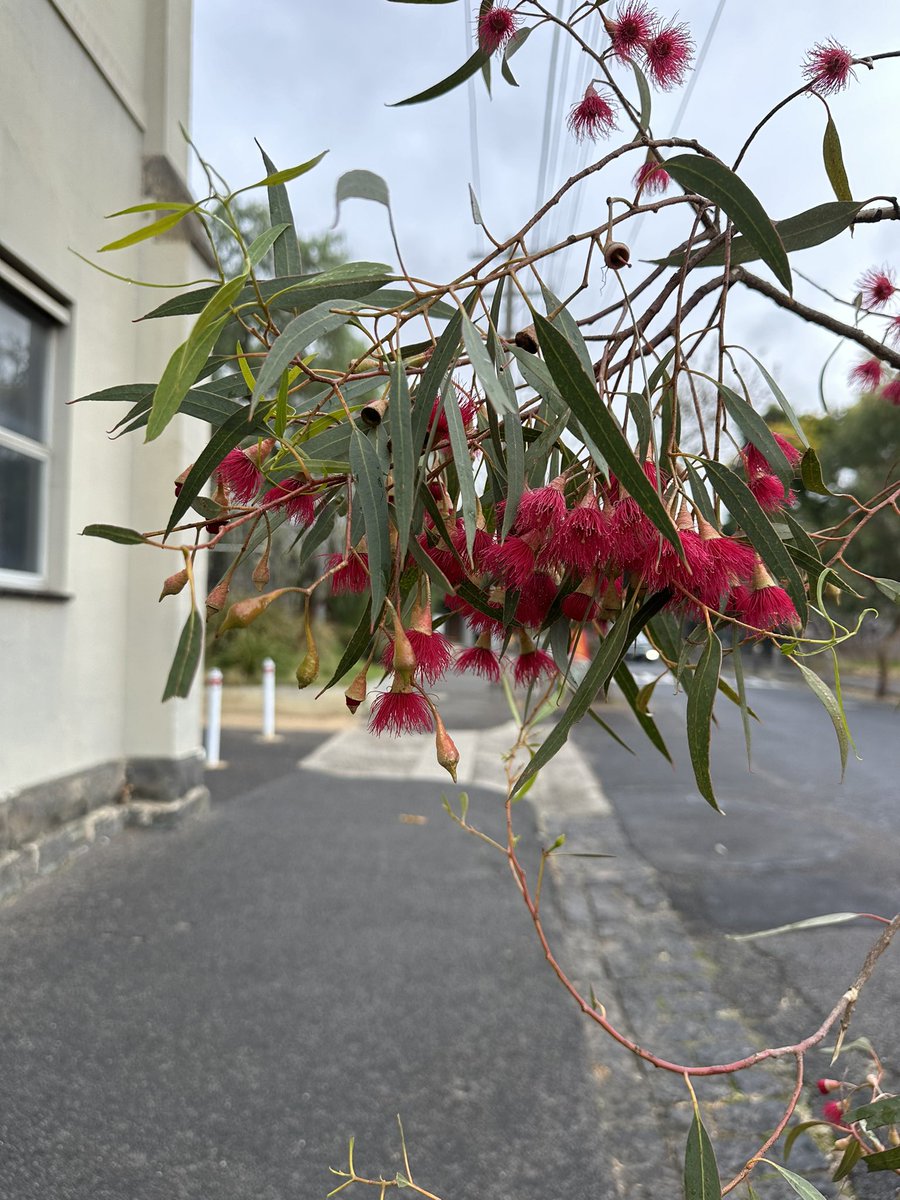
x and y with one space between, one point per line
876 288
496 26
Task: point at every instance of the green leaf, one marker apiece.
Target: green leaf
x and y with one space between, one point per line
154 229
849 1159
890 588
884 1160
801 1186
795 1132
568 327
114 533
701 1174
260 246
187 657
646 101
885 1111
516 42
835 710
811 474
639 407
281 177
367 469
469 68
484 368
515 469
123 393
462 460
811 228
229 434
699 715
738 664
743 506
597 675
630 690
360 185
779 395
299 333
181 371
405 456
356 648
581 392
287 251
717 183
432 380
834 163
757 432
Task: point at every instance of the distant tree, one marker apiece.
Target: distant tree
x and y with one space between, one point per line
860 453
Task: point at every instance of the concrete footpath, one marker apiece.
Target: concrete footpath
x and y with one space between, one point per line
212 1012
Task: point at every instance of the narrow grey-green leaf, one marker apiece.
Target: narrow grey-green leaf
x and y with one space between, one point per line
757 432
821 689
181 371
581 393
299 333
849 1159
469 68
568 326
405 455
432 380
597 675
630 690
260 246
743 506
462 460
114 533
639 408
800 1185
833 158
779 395
885 1111
276 178
811 228
370 490
484 368
356 648
701 1174
187 657
515 468
287 251
718 183
154 229
811 474
890 588
738 664
701 699
644 96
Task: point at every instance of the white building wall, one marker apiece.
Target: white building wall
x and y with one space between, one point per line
87 91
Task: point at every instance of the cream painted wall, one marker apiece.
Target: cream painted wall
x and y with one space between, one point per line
82 677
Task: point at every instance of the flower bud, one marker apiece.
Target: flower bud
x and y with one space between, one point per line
828 1085
174 583
245 612
216 599
261 572
309 666
616 255
447 753
356 692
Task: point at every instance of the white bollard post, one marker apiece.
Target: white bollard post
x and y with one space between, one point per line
213 717
268 730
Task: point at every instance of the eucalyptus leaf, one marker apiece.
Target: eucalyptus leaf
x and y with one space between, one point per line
187 658
700 703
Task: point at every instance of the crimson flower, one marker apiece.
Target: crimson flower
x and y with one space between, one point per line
400 711
828 1085
668 55
433 653
828 67
496 27
652 178
240 476
541 507
764 606
893 330
480 659
833 1111
877 287
593 116
867 374
632 27
538 593
352 574
891 391
579 606
299 507
532 664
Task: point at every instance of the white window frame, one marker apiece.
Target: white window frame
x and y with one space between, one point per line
50 451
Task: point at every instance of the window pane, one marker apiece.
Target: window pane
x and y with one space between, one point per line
20 508
24 347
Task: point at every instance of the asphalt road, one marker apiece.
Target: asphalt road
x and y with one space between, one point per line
210 1013
795 843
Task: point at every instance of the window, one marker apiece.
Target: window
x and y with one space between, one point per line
28 343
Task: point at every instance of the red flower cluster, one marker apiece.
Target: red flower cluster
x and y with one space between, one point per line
828 67
666 49
495 27
876 288
765 485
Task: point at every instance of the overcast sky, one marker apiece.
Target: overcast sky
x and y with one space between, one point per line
303 76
